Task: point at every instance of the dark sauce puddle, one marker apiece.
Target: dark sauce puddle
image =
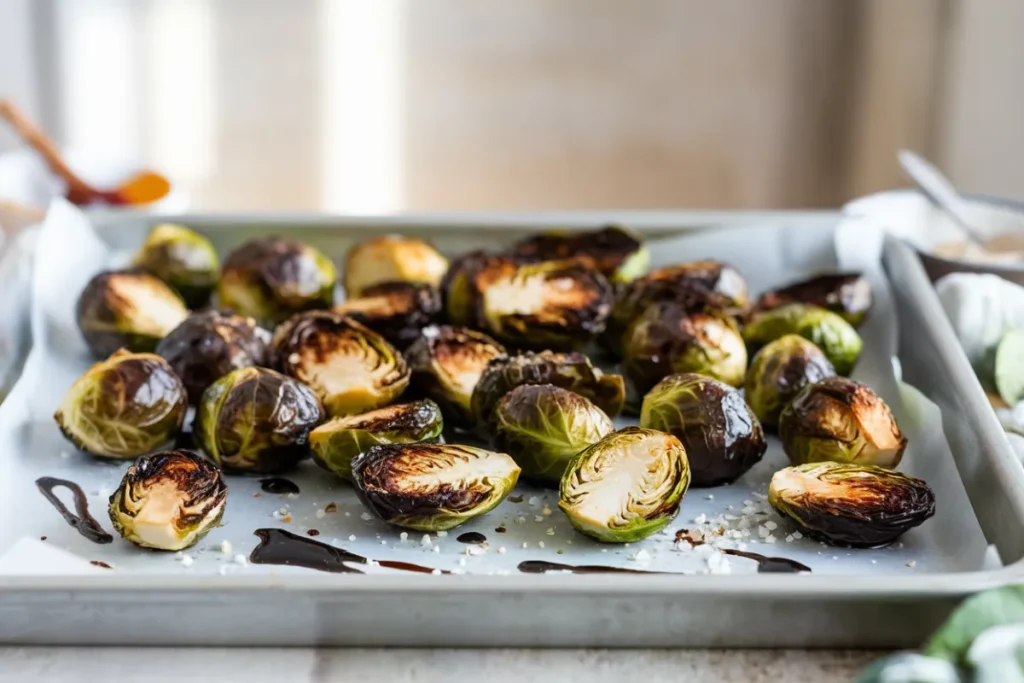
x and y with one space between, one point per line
83 522
770 565
278 546
279 485
471 537
765 565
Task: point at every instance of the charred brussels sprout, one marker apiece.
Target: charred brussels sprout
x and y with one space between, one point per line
543 427
168 501
127 310
446 364
723 439
824 329
572 371
432 487
843 421
698 285
557 305
853 505
668 339
398 311
209 345
626 486
352 368
257 420
337 442
183 259
273 278
459 294
124 407
779 371
392 258
616 252
846 294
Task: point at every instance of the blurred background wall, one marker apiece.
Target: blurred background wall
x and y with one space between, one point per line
390 105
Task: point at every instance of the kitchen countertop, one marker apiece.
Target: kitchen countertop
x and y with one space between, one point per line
153 665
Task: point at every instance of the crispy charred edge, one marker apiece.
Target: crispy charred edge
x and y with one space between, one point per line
209 344
188 471
848 294
98 302
458 280
803 410
323 332
604 249
696 283
412 418
375 482
893 503
410 307
712 463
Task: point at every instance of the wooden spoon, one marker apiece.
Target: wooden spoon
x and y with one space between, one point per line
142 188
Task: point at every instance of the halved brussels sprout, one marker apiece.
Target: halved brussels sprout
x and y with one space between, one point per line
273 278
826 330
337 442
543 427
432 487
127 310
626 486
698 285
848 504
846 294
458 288
557 305
126 406
841 420
392 258
446 364
572 371
210 344
616 252
723 439
168 501
779 371
183 259
398 311
257 420
667 339
352 368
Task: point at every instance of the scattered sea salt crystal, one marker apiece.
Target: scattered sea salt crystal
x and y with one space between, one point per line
404 536
701 519
442 533
762 531
366 516
520 520
748 502
911 563
538 518
241 559
604 550
770 539
65 454
874 561
772 526
501 550
348 514
225 547
383 541
550 531
352 537
540 543
425 541
641 556
534 500
320 514
462 561
797 534
436 571
710 496
525 544
436 549
186 561
546 511
789 539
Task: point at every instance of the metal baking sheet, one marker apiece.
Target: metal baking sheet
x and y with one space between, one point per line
49 592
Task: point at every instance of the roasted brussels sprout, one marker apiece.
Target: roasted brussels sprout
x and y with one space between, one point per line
840 420
168 500
210 344
182 258
352 368
543 427
558 305
779 371
124 407
699 285
257 420
446 363
398 311
846 294
853 505
572 371
616 252
392 258
273 278
458 288
432 487
337 442
723 439
667 338
626 486
824 329
127 310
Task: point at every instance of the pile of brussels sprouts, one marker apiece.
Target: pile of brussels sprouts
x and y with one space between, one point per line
489 346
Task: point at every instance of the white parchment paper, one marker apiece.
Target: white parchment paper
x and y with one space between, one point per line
534 529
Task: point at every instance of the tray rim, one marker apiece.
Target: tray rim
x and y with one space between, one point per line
322 586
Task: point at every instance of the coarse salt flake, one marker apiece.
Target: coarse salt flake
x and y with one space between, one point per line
366 516
186 561
320 514
241 559
540 543
425 541
352 537
550 531
225 547
442 533
404 536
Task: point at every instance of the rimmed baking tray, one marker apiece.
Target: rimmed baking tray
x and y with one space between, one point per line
889 597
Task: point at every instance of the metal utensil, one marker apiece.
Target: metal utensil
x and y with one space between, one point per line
939 190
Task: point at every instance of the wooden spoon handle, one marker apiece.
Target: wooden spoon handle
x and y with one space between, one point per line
42 143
